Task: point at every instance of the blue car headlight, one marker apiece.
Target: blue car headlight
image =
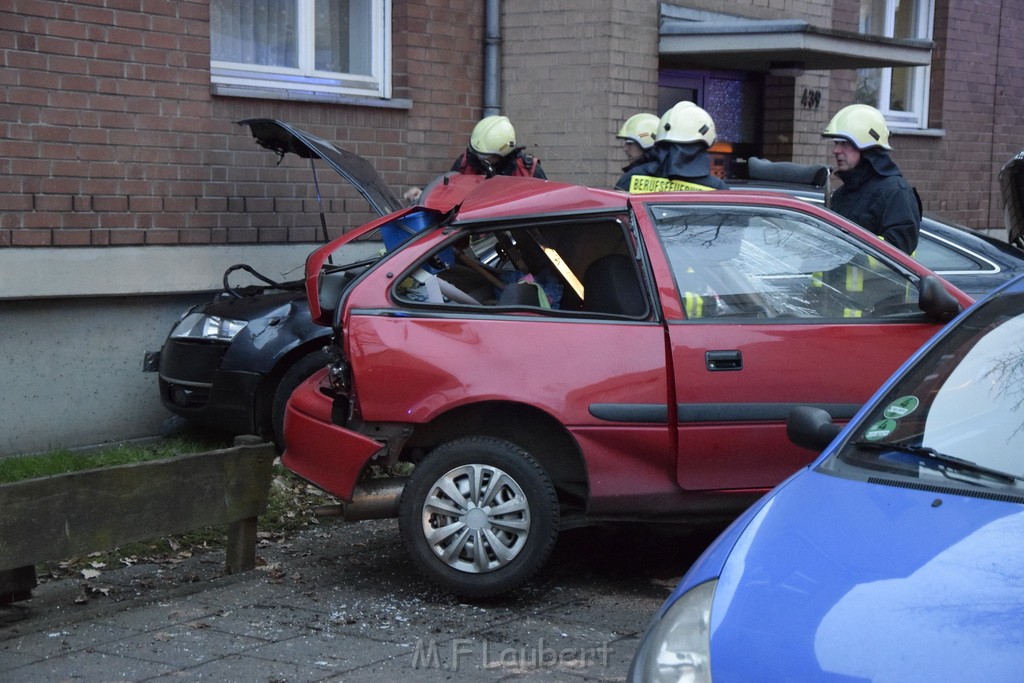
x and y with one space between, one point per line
211 327
678 647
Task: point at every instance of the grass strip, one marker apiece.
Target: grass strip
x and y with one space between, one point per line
64 461
290 502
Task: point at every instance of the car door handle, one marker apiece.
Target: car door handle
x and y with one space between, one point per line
723 360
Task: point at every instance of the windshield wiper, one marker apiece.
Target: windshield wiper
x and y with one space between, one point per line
935 456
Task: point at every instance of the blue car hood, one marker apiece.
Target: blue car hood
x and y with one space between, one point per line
834 579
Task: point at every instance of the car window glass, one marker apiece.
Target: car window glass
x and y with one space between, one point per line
963 399
944 258
972 408
572 266
763 263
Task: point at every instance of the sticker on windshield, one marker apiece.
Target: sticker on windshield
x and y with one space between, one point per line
880 430
901 407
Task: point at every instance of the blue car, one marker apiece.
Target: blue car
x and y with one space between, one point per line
896 555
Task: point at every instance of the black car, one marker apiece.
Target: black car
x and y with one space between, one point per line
231 364
969 259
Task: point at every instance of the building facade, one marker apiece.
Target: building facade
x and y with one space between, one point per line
128 187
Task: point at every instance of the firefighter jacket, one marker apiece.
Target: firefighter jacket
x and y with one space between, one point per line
629 170
685 161
876 196
515 164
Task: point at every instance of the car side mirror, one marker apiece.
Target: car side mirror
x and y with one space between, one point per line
811 428
936 301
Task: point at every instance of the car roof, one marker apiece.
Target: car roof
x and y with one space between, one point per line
511 197
476 198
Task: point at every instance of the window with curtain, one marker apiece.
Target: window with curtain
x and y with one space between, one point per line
899 93
338 47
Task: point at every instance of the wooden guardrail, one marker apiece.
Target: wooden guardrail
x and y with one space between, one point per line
69 515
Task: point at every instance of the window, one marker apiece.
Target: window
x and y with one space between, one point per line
945 258
777 265
582 267
309 48
899 93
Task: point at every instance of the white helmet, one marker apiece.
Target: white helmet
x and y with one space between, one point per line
493 135
686 122
861 125
641 129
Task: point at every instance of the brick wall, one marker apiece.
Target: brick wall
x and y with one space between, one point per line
974 108
579 68
817 12
109 134
954 174
1008 112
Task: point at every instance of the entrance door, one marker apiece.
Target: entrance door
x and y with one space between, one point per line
733 99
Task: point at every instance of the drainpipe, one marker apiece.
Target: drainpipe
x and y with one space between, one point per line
492 58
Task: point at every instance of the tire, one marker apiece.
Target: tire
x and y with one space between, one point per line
464 545
298 373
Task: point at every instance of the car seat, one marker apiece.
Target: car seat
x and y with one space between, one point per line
610 285
520 294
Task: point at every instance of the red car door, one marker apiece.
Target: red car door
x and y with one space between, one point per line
770 305
596 364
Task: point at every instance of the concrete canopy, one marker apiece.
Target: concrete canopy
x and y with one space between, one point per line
691 39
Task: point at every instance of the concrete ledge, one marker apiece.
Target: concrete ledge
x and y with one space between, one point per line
30 273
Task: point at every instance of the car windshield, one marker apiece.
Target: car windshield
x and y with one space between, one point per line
957 414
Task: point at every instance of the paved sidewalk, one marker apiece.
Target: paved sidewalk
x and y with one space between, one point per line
341 602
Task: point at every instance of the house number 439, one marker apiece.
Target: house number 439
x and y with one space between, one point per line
811 99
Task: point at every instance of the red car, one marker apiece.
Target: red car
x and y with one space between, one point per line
543 355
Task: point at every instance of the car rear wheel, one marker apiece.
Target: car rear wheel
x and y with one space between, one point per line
479 516
298 373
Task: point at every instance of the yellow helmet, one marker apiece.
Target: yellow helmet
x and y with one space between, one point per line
641 129
860 124
493 135
686 122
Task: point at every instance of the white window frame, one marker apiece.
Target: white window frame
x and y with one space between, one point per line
916 115
306 81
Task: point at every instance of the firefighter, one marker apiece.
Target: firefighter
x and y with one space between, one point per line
637 134
874 193
679 159
492 151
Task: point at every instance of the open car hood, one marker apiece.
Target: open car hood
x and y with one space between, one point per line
282 138
1011 183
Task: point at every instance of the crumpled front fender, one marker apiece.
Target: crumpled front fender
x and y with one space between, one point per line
328 456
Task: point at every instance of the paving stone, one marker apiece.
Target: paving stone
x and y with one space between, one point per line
342 602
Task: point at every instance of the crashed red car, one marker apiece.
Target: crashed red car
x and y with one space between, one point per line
543 355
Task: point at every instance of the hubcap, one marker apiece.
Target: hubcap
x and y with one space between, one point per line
476 518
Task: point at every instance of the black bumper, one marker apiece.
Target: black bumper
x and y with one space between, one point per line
193 385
